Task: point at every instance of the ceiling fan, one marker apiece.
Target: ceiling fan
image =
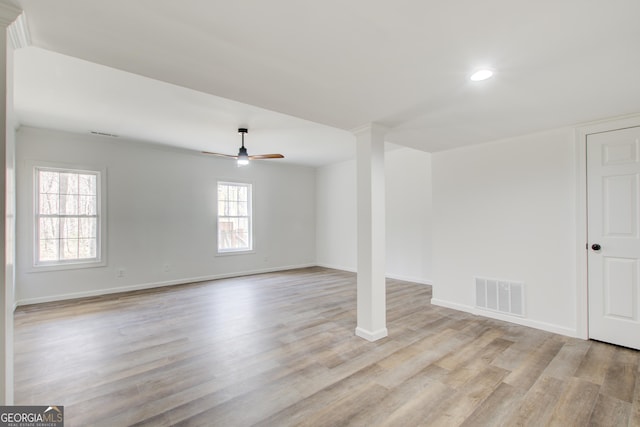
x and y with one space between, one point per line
243 157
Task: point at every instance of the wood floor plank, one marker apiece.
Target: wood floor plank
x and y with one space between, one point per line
465 401
610 411
343 411
462 374
525 342
620 379
396 399
279 349
568 359
634 416
399 368
595 363
308 407
538 403
576 404
455 359
496 408
418 410
527 373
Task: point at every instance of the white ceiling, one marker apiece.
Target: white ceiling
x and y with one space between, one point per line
60 92
302 74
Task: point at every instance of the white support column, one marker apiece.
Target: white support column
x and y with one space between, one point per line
372 316
8 14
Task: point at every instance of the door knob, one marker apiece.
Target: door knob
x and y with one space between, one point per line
596 247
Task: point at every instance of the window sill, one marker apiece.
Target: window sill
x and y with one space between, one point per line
70 266
230 253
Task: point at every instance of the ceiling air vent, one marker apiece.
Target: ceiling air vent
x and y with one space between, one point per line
110 135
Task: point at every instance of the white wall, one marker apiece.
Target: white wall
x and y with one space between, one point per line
504 210
161 211
408 215
336 230
507 210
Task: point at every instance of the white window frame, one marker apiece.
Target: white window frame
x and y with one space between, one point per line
100 259
250 248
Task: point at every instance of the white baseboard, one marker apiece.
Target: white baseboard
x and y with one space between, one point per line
337 267
371 336
536 324
142 286
411 279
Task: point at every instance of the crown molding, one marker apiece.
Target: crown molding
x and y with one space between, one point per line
8 12
18 32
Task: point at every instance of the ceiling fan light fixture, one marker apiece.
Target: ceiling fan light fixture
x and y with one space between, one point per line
243 157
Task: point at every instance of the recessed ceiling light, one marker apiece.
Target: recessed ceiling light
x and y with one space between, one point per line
480 75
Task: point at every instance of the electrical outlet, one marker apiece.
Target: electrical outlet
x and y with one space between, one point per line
120 273
166 268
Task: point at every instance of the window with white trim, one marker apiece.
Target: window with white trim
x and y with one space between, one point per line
67 216
234 217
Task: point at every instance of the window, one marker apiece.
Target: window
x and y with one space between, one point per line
67 216
234 217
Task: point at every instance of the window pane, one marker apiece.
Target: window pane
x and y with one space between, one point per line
49 204
233 234
86 248
243 240
69 249
48 250
87 205
232 208
88 228
242 194
69 204
241 233
225 229
69 228
49 228
243 225
233 192
68 183
49 181
242 209
88 185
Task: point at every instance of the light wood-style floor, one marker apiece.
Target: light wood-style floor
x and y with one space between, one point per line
279 350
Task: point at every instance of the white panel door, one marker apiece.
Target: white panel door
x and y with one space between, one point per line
613 182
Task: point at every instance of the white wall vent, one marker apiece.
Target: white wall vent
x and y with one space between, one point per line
502 296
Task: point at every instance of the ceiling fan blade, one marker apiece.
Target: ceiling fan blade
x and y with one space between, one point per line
266 156
220 154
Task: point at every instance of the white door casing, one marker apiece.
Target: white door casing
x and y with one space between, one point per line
613 221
